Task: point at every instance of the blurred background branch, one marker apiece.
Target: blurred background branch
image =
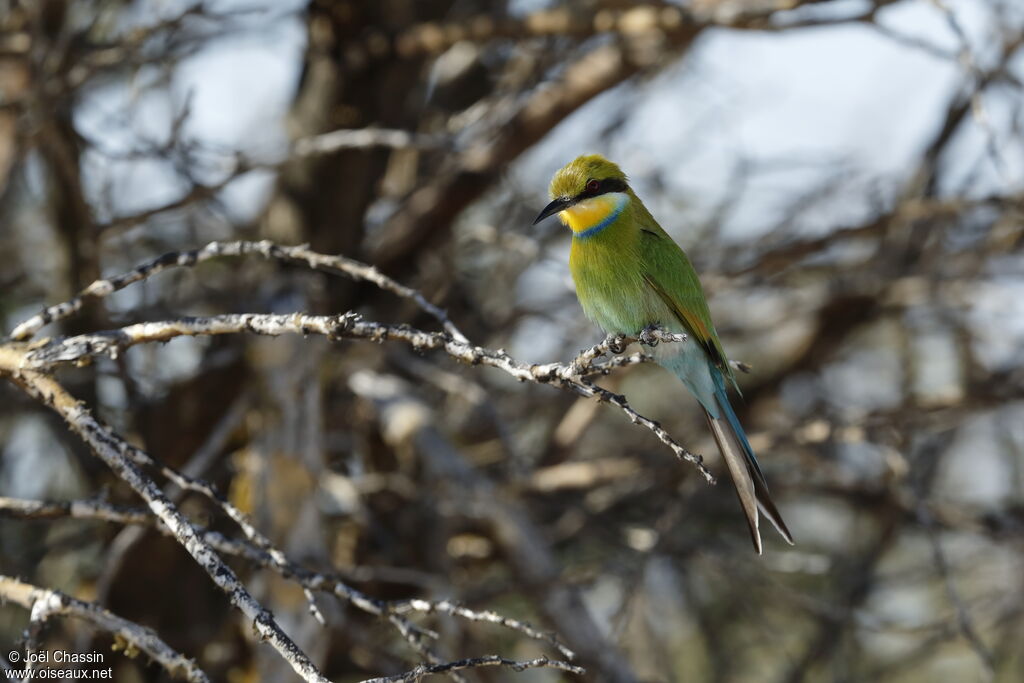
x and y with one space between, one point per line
846 176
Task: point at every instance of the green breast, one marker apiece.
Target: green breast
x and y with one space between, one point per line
610 286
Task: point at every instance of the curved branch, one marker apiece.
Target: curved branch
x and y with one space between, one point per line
570 377
179 259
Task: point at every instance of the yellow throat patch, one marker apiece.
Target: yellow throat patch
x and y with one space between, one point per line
595 213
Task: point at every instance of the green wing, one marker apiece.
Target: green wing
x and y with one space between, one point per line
671 276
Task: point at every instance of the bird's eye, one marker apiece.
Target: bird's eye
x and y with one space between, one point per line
593 185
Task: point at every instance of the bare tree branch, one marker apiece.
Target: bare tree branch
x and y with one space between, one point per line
99 510
334 264
43 603
351 326
110 448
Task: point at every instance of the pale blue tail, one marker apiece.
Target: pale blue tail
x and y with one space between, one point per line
706 382
726 408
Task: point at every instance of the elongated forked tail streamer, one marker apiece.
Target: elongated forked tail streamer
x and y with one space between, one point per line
751 487
736 462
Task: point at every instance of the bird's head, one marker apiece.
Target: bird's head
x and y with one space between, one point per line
586 192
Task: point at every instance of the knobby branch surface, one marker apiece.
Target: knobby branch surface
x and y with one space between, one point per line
43 604
99 510
203 545
572 376
301 254
110 448
31 364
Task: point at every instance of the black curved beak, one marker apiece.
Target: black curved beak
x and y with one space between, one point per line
553 208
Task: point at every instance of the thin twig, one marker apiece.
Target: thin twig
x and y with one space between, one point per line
457 610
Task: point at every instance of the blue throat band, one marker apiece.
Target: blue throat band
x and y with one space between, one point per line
605 222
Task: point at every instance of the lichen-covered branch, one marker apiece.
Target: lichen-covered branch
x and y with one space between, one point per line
178 259
570 377
310 580
43 603
110 448
29 364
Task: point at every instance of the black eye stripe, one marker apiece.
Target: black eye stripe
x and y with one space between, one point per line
613 185
604 187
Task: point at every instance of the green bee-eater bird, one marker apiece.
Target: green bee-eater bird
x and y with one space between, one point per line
629 275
